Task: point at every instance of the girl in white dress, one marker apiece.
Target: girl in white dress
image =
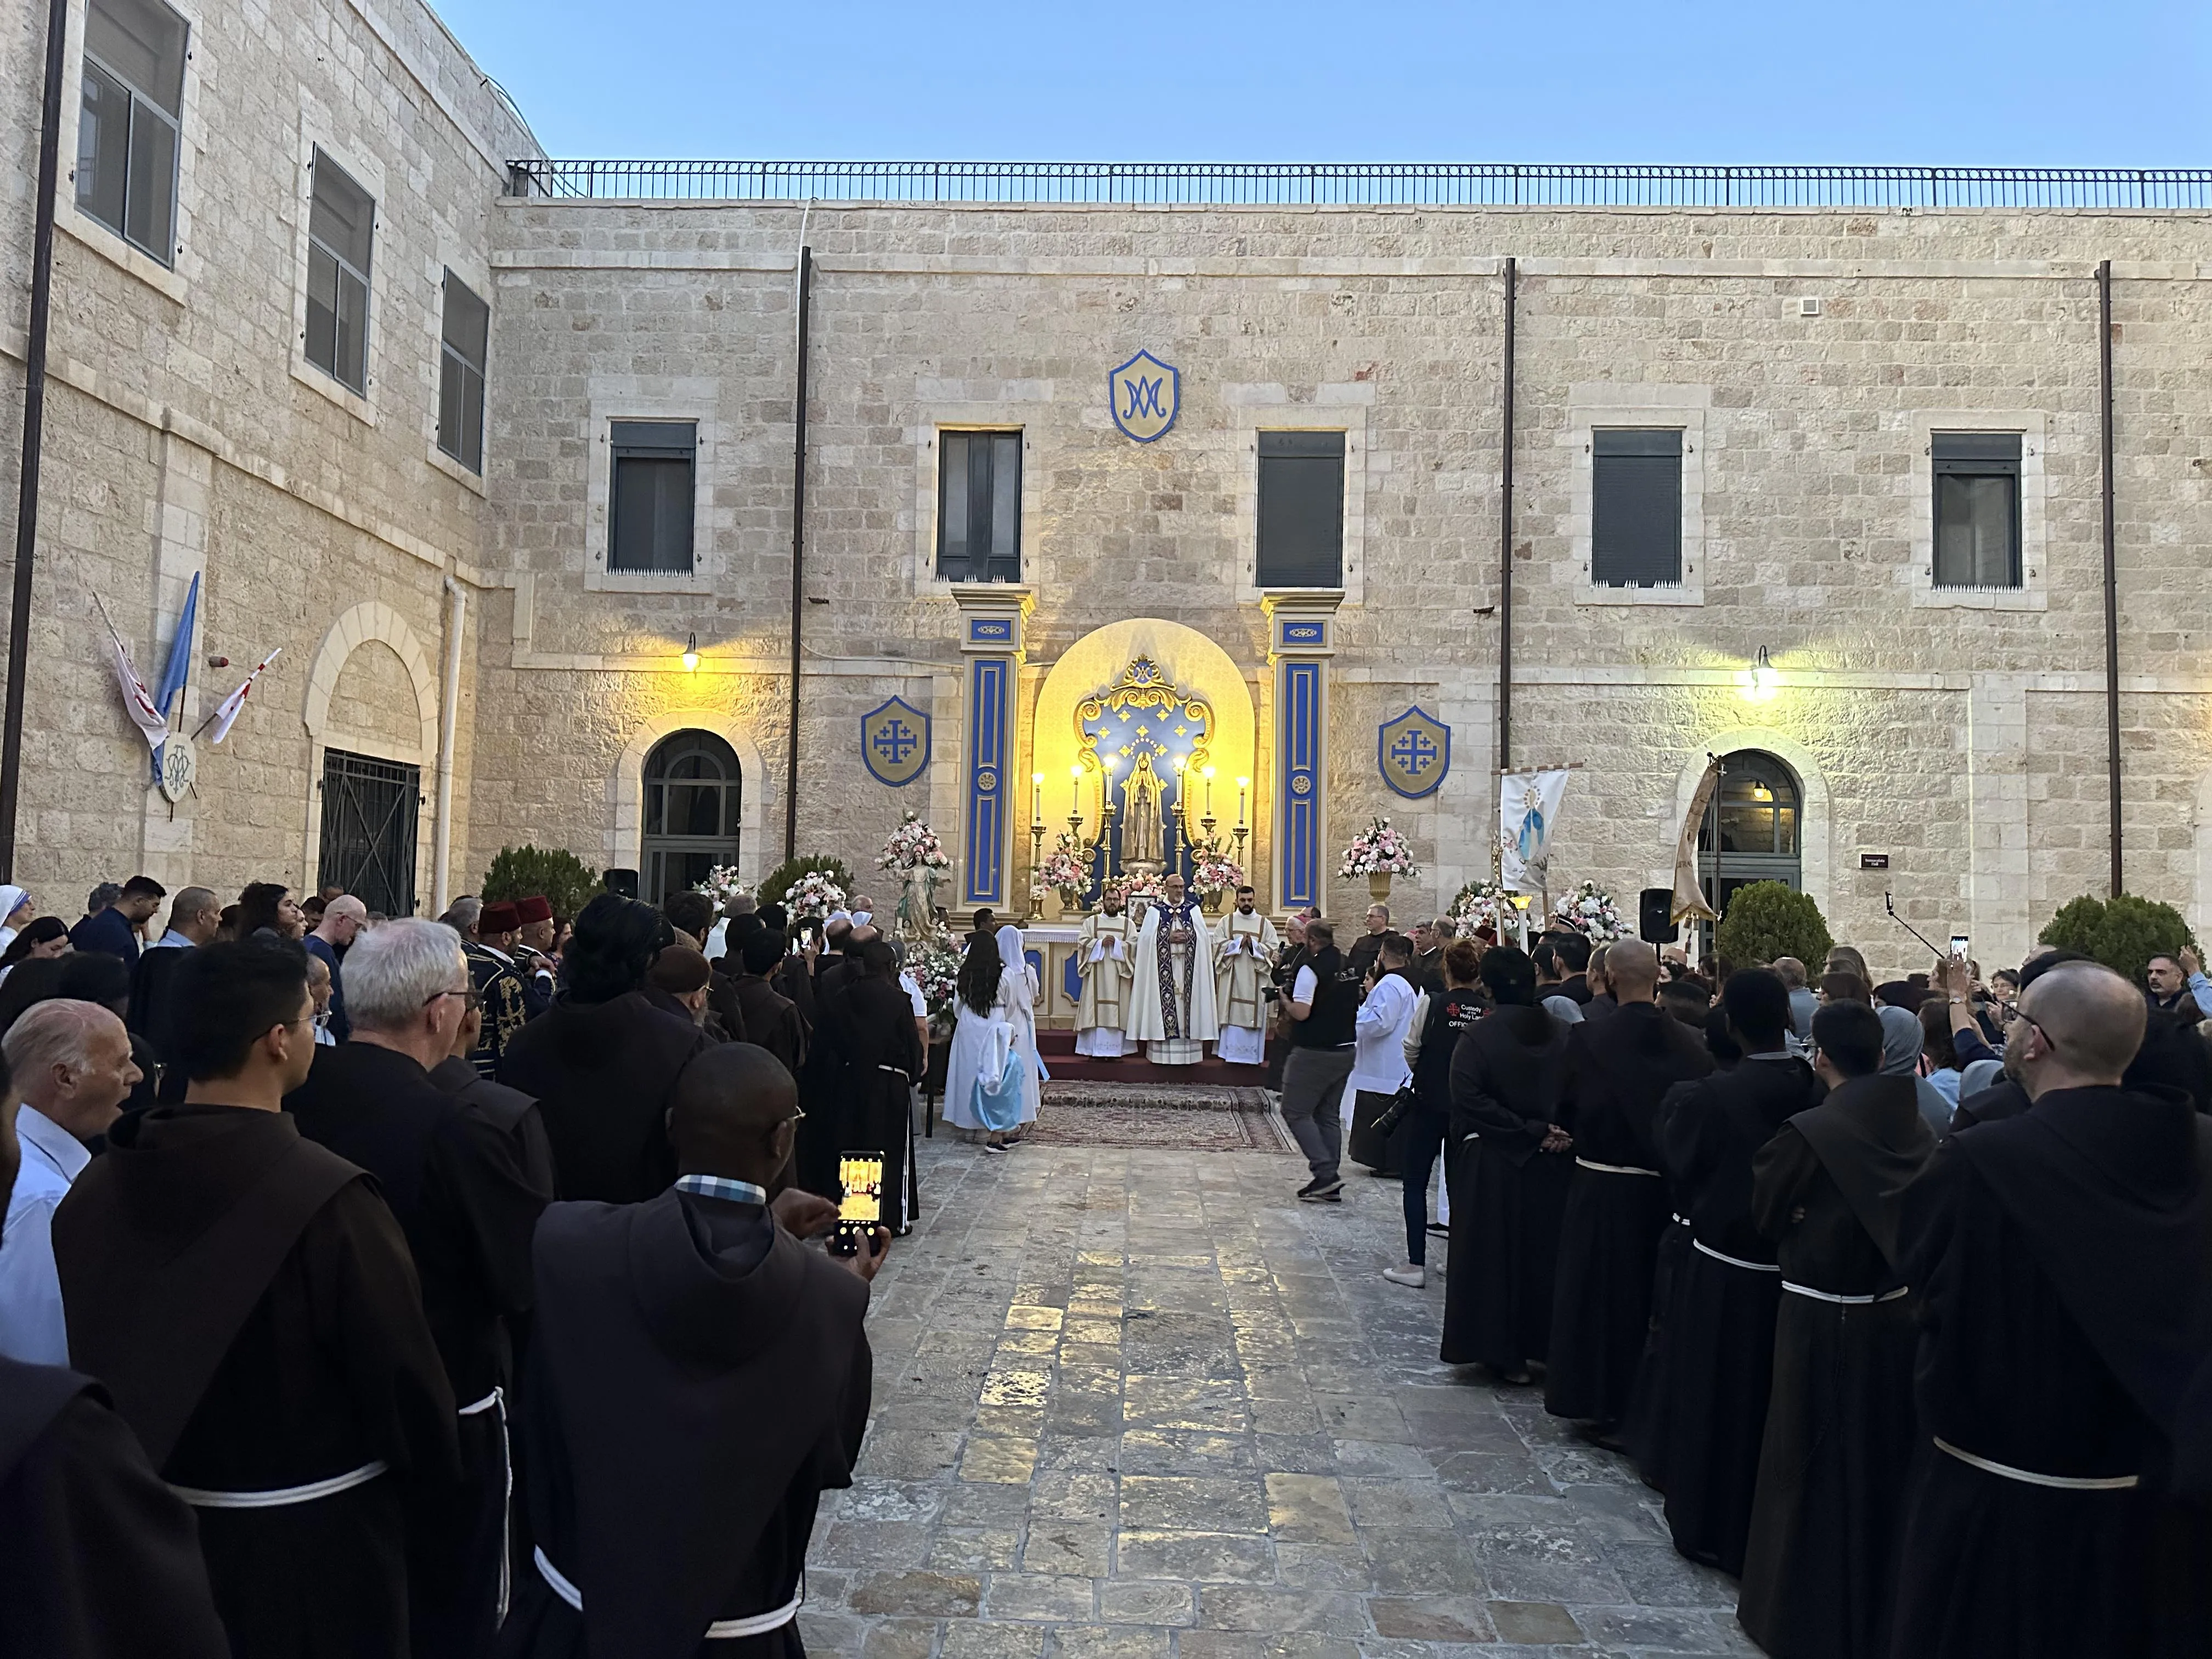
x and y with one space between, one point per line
1019 992
980 1035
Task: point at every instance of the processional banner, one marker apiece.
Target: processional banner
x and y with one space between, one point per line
1528 812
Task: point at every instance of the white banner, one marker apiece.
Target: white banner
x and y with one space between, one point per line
1528 812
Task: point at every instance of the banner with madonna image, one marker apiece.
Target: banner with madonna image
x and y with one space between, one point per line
1528 813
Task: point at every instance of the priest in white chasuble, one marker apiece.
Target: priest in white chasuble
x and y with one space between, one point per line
1171 999
1105 958
1242 957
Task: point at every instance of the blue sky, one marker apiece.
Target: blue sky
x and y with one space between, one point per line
2095 82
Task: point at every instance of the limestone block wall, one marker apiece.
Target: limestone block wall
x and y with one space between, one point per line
1962 735
186 434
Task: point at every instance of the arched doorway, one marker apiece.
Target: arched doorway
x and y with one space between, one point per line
1754 830
694 793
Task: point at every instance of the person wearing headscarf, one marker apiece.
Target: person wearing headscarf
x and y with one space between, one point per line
980 997
15 914
1021 1014
1902 1040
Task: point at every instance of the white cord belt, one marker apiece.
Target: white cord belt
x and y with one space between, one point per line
1680 1220
1616 1169
722 1629
2063 1482
283 1496
494 1398
1700 1245
496 1401
1844 1301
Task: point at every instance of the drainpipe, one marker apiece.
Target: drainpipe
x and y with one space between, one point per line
35 420
457 606
2111 565
798 553
1505 538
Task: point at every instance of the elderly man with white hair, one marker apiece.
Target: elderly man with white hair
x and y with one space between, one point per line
468 1206
72 1061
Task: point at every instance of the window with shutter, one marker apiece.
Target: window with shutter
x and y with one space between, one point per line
466 332
1976 509
341 233
650 499
131 97
1635 507
979 507
1301 531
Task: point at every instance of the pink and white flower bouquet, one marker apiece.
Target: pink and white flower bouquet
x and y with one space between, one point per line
1481 904
1064 867
1590 910
813 895
1215 872
722 886
912 846
1378 850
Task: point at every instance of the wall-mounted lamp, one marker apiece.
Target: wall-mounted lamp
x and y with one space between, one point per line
1764 680
691 653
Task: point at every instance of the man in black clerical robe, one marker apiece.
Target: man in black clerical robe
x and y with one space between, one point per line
2064 1259
772 1019
1719 1349
699 1378
82 1515
880 1059
1618 1069
468 1206
249 1301
1508 1171
1820 1578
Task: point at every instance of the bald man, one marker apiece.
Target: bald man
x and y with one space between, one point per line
699 1378
343 918
2063 1257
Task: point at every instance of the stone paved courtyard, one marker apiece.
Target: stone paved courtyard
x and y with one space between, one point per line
1142 1405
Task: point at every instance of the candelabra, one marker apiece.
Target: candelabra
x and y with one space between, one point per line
1243 785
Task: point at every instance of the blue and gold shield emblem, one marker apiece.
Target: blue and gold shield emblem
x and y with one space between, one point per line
1146 394
895 742
1414 751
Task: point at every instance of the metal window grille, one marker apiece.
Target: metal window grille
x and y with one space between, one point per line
694 793
1976 509
341 229
1757 815
465 338
1301 529
369 811
1635 507
1376 184
979 507
126 137
650 495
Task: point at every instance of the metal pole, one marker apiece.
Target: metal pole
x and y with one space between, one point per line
798 555
1505 536
35 421
2111 565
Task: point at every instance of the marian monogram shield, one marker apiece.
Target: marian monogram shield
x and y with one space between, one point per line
1146 394
1415 752
895 742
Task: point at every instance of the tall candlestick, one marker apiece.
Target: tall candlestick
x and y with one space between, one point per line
1037 799
1075 789
1243 784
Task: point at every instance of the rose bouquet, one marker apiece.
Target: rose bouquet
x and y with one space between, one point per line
1590 910
1215 872
1132 888
1064 867
1481 904
935 965
813 895
912 846
722 886
1378 850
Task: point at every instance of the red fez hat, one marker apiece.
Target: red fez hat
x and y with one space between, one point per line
500 918
532 908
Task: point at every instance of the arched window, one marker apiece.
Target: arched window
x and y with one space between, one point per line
692 791
1757 818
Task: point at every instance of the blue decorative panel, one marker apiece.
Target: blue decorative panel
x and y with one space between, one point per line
1070 976
1302 631
1414 752
895 743
1298 767
990 630
988 680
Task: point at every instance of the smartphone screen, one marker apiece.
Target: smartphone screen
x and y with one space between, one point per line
1959 945
861 1176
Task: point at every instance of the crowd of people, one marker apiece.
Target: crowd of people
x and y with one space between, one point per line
1901 1293
388 1287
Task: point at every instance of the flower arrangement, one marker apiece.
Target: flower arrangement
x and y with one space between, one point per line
1064 867
813 895
1215 871
935 965
1590 910
912 846
1130 888
1378 850
1481 904
722 886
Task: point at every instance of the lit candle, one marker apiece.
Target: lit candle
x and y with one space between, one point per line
1036 798
1075 789
1208 776
1243 784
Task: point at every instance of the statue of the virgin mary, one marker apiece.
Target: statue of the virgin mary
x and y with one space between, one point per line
1141 838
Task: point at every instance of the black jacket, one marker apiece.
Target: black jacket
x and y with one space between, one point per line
1508 1074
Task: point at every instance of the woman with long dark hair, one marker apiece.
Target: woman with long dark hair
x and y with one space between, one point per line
269 904
979 997
1509 1165
39 939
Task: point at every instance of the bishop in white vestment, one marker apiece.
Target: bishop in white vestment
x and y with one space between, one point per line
1242 957
1105 958
1171 999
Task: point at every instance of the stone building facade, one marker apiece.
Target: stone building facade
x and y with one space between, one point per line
1810 361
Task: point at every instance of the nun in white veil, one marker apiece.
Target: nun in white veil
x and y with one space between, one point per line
15 913
1018 991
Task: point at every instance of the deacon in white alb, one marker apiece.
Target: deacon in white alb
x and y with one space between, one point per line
1105 958
1171 1002
1241 957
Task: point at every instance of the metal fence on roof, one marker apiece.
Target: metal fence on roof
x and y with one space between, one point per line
1366 184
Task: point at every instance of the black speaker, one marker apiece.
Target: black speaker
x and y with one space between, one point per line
1655 917
620 881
